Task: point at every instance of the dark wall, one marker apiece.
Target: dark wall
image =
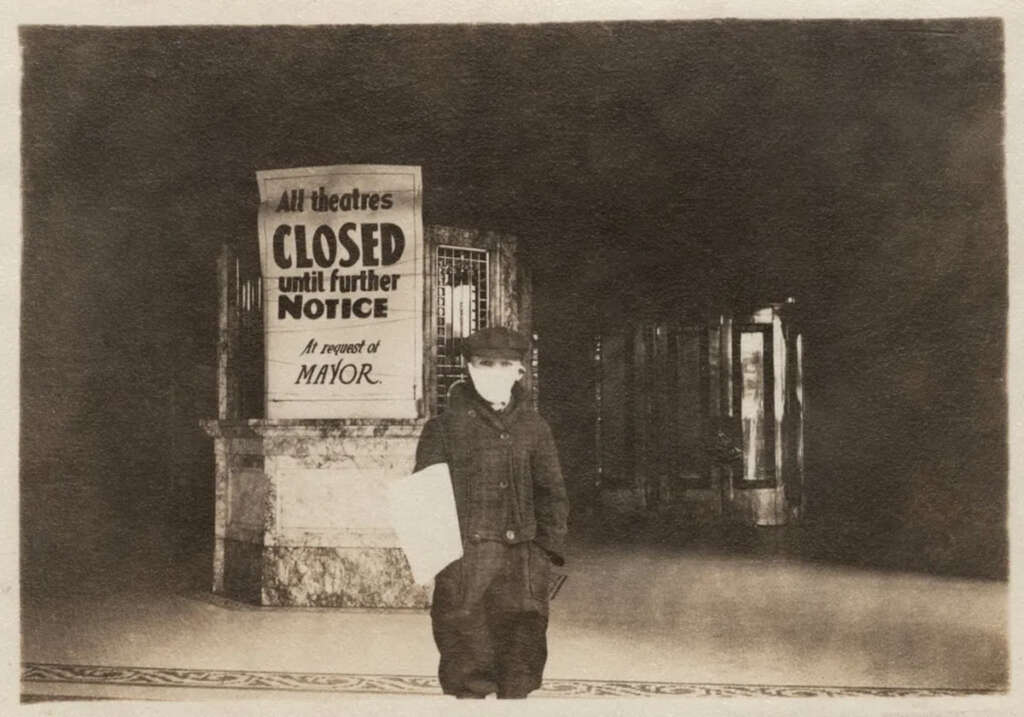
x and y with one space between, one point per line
854 165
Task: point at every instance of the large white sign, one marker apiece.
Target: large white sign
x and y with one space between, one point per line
341 250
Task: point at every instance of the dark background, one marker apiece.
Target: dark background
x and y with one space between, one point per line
857 166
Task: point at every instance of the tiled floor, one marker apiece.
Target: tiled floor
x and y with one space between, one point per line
629 620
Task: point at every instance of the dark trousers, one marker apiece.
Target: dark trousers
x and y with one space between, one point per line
489 619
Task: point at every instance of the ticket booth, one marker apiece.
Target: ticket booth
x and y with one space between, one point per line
702 415
300 517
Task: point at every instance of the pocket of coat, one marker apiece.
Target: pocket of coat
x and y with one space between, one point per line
540 572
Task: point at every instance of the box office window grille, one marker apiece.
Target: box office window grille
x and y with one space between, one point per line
463 301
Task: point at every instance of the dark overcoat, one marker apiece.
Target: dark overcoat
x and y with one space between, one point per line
512 509
505 471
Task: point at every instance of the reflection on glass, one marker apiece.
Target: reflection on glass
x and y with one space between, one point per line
756 461
459 303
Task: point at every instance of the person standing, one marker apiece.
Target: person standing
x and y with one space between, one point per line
490 607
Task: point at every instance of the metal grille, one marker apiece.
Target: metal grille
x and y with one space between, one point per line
250 365
249 299
463 300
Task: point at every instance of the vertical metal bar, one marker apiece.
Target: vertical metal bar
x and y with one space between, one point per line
238 281
599 401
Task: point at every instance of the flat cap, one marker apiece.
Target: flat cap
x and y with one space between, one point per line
496 342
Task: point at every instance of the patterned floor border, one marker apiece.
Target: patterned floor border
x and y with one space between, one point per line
414 685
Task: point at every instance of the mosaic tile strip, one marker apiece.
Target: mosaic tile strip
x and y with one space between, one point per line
415 685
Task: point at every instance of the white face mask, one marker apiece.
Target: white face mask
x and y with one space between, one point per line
494 383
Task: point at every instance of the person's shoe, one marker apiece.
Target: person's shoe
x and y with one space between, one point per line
479 687
512 695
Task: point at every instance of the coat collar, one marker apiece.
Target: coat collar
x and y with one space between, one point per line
464 398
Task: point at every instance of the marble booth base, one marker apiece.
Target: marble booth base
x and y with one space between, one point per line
300 576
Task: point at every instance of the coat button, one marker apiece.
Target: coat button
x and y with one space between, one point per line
476 537
504 436
503 484
510 535
471 412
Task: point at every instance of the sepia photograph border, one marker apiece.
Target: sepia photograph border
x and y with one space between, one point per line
636 698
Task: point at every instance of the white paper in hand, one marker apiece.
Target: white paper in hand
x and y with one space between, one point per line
422 511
